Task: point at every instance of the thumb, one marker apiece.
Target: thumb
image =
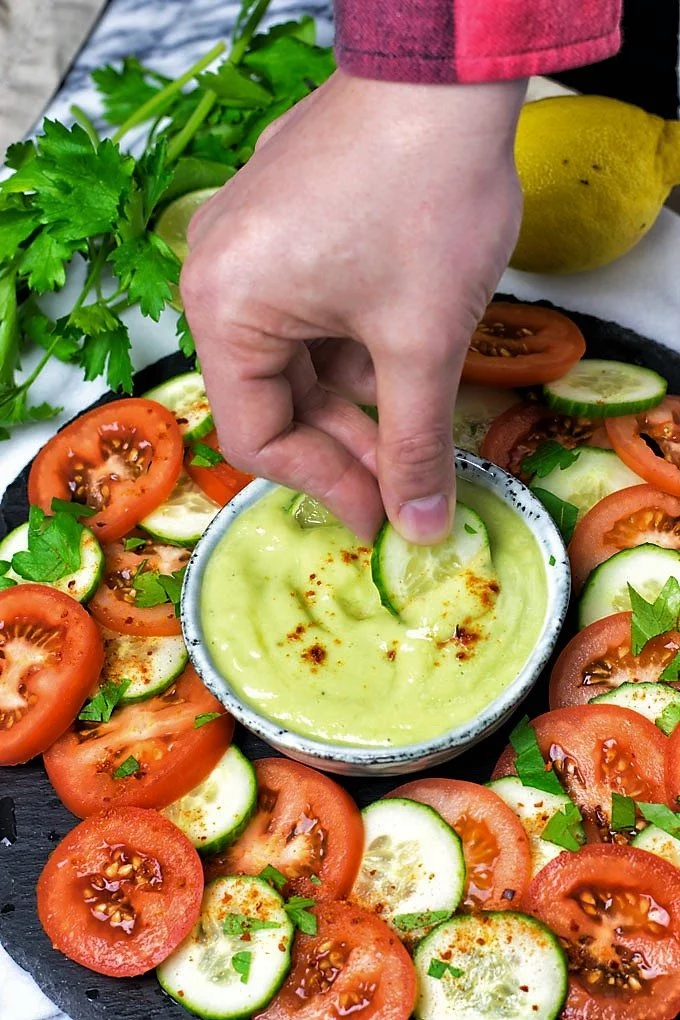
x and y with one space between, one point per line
416 396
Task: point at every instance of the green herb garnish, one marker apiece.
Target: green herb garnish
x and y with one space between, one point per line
155 589
552 561
100 708
53 547
529 763
669 719
241 964
623 813
5 582
296 908
438 968
470 530
205 718
130 544
424 919
548 456
66 506
565 828
653 618
661 816
128 768
205 456
564 514
241 924
273 876
315 880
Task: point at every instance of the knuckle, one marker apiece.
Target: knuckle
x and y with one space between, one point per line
423 451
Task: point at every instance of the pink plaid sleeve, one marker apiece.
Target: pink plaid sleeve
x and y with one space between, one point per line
439 41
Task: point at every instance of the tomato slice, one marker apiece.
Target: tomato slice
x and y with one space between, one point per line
222 481
649 443
121 892
114 603
51 652
172 755
354 966
597 750
517 432
622 520
616 910
306 825
121 459
599 659
673 769
495 846
522 345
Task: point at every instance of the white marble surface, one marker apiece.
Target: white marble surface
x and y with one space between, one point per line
639 290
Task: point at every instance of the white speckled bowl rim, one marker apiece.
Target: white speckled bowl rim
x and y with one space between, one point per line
368 759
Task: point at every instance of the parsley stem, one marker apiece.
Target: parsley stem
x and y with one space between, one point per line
241 44
28 382
94 273
158 102
86 124
9 329
183 137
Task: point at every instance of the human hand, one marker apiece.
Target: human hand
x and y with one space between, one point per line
350 260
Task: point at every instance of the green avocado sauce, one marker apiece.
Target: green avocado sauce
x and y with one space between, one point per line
292 618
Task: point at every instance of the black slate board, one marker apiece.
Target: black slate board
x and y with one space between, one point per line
41 820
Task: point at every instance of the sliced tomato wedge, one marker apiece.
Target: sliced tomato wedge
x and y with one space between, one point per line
616 910
597 750
599 659
495 846
673 769
121 459
51 652
115 603
306 826
220 482
354 966
649 443
522 345
622 520
517 432
155 741
121 892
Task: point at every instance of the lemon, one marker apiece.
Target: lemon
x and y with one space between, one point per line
595 173
172 226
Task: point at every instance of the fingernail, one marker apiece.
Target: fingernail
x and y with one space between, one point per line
425 520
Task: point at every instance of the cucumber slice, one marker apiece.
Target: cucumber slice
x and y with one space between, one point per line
403 571
476 407
534 808
595 388
185 396
646 568
184 516
656 841
593 475
649 700
217 811
151 664
412 864
310 513
80 585
499 964
201 974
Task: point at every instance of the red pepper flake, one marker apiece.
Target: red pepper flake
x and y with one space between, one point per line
391 654
315 654
296 635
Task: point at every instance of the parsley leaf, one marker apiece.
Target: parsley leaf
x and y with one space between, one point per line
548 456
623 813
205 456
273 876
241 924
315 880
241 964
185 338
653 618
5 582
106 348
147 268
235 87
669 718
423 919
66 506
15 226
155 589
470 530
661 816
296 908
205 718
44 261
564 514
128 768
124 91
133 543
53 547
100 708
672 671
529 763
565 828
438 968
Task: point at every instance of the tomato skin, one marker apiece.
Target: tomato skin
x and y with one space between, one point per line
556 344
673 769
479 816
287 794
174 756
623 520
658 424
554 898
607 642
594 738
374 956
221 482
114 612
517 432
168 910
87 441
62 683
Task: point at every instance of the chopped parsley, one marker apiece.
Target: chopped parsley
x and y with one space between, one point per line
67 506
565 828
273 876
53 547
669 719
423 919
241 964
623 813
470 530
653 618
204 456
205 718
529 763
438 968
5 582
548 456
672 671
100 708
552 561
128 768
130 544
564 514
661 816
155 589
296 908
315 880
241 924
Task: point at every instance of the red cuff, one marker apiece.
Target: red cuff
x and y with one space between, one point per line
444 41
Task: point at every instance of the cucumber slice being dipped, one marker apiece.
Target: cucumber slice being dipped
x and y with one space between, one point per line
593 475
486 966
595 388
646 568
217 811
151 664
185 396
534 808
412 865
650 700
183 517
82 584
238 954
